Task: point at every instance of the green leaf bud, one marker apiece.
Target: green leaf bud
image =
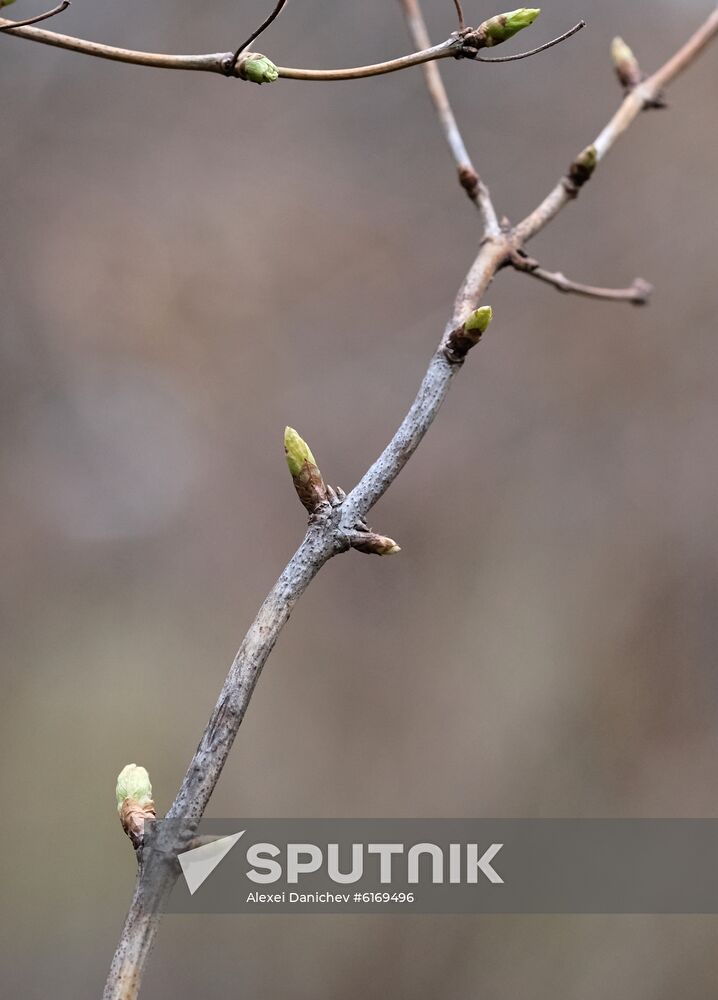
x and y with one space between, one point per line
625 63
478 321
133 782
257 68
500 28
297 451
308 482
582 168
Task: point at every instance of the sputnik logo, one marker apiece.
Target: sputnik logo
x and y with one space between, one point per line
199 863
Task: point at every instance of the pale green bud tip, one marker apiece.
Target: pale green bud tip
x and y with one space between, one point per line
133 782
259 69
620 52
479 320
392 551
588 158
297 451
505 26
522 18
625 64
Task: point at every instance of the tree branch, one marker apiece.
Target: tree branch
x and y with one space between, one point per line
640 97
468 175
462 44
224 62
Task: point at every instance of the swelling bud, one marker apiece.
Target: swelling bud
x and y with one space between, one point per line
308 482
134 801
257 68
133 782
500 28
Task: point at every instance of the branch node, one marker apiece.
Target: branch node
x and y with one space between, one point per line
629 73
469 180
521 261
231 63
252 66
335 495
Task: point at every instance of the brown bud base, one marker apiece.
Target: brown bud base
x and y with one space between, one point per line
372 544
133 816
469 180
310 487
458 344
580 171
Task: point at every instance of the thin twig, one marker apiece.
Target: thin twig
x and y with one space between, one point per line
638 294
642 96
534 52
255 34
447 49
460 14
39 17
468 175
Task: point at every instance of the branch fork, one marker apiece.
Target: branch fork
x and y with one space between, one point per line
324 503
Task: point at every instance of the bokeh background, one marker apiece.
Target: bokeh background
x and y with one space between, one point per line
187 265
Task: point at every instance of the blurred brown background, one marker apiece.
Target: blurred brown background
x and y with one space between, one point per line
188 264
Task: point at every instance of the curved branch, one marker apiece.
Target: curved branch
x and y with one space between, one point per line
211 63
218 62
39 17
226 63
534 52
448 49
